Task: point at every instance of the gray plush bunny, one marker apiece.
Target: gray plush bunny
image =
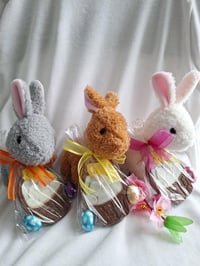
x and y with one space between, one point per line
31 144
31 139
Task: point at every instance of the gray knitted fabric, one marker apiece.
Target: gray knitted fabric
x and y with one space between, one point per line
37 142
4 173
37 97
31 139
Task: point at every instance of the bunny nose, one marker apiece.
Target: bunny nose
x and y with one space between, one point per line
172 130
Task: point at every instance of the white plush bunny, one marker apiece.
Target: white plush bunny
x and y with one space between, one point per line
171 117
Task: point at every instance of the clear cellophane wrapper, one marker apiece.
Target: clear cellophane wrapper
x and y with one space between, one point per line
102 199
107 201
172 179
165 174
4 169
39 203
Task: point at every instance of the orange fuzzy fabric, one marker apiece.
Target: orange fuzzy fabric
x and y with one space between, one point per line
110 100
68 167
106 134
115 141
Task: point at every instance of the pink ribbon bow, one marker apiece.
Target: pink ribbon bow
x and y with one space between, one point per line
156 144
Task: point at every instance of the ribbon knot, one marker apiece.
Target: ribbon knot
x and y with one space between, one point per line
29 172
102 166
153 151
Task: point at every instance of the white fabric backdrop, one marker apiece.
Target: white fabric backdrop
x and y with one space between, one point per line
111 45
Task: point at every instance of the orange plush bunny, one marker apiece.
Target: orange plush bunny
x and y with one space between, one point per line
94 167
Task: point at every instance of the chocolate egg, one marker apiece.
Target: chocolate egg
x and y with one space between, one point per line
32 223
133 194
87 220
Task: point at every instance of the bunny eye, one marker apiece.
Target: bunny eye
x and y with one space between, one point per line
172 130
102 131
19 139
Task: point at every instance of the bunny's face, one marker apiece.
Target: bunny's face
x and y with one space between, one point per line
175 119
172 115
31 139
106 133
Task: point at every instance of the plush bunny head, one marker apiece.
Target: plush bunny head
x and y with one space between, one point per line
106 132
172 115
31 138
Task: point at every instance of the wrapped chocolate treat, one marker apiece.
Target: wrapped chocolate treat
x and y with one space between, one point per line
39 194
90 162
168 129
163 171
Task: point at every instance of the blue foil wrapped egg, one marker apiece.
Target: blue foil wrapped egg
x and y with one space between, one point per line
87 220
32 223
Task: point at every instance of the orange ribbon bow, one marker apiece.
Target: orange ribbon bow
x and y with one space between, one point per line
36 171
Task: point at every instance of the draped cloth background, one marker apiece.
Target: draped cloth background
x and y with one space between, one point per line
110 45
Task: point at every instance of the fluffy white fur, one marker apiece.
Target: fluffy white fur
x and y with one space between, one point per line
170 115
177 117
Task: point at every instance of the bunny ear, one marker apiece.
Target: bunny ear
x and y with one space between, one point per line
37 96
164 86
21 98
93 100
112 99
187 86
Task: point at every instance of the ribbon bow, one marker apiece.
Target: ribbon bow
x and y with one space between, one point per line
29 172
152 151
102 167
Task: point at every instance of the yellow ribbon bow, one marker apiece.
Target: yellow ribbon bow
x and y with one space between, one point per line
102 167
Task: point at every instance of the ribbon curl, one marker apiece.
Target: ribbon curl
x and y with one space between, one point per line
102 167
28 172
153 151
